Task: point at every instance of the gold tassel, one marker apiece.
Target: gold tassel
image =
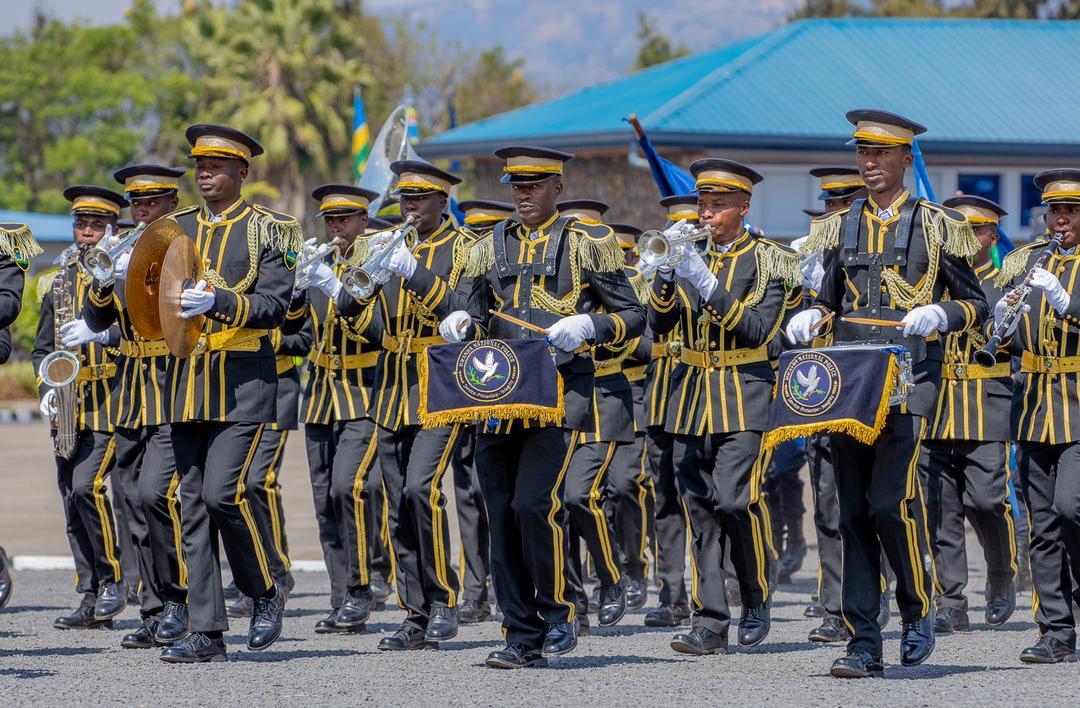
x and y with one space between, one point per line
640 286
278 231
599 254
480 257
959 237
19 242
1015 264
44 284
360 250
824 233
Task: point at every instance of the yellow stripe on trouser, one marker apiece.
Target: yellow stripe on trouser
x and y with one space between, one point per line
437 515
756 522
358 508
600 517
911 528
103 512
693 559
1009 517
178 531
557 539
273 502
245 509
643 494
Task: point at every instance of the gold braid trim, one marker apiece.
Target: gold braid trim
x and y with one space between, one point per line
480 256
958 237
1016 263
906 296
773 263
567 304
600 255
19 241
824 232
360 250
44 284
640 285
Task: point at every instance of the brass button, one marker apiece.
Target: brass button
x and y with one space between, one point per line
200 346
336 362
716 358
959 369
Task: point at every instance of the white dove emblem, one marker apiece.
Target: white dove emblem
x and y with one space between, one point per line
810 380
488 367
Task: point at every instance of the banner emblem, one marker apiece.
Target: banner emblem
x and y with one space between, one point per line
487 370
811 384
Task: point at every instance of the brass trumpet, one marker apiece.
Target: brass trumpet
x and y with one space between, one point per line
101 263
668 248
362 281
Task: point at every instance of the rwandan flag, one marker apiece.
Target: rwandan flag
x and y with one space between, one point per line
361 137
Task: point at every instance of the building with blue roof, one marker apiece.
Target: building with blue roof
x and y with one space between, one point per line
777 102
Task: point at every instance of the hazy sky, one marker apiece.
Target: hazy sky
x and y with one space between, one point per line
566 43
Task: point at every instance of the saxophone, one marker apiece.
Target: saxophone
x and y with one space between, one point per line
60 368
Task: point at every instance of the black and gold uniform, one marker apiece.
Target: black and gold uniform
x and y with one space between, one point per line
719 395
888 261
145 471
87 508
224 395
964 464
1046 411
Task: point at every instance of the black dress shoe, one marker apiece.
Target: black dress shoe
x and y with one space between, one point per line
5 578
143 637
560 638
999 606
666 615
515 656
329 625
173 625
242 606
1048 650
133 595
231 591
700 641
265 627
916 641
196 648
111 600
442 624
381 589
754 625
82 618
612 605
407 638
814 610
950 619
858 663
355 610
884 611
584 629
473 612
832 629
637 592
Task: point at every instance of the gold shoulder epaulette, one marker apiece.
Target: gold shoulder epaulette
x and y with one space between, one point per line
1015 263
480 256
597 248
779 261
181 212
276 230
467 234
639 284
18 244
958 238
44 284
824 232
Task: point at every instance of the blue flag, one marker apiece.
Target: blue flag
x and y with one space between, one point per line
923 187
670 178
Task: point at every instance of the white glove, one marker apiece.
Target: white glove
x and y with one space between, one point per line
402 262
120 265
77 332
455 326
196 300
924 320
695 271
1055 292
801 327
569 333
323 277
999 314
812 271
48 404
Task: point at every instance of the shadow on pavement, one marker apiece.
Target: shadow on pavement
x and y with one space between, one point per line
52 651
273 656
26 673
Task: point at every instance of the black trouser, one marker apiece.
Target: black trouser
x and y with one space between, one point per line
627 506
670 520
129 525
720 478
472 522
263 490
968 479
413 462
341 457
1050 475
88 511
826 522
585 497
380 556
882 508
521 474
214 460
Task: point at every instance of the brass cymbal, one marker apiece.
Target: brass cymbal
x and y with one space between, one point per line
144 276
181 269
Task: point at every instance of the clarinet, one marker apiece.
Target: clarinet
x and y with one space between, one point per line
987 356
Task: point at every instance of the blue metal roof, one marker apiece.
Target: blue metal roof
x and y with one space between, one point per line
973 83
45 227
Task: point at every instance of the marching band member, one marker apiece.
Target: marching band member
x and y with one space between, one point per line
889 257
82 475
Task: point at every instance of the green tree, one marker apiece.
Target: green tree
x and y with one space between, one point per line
654 48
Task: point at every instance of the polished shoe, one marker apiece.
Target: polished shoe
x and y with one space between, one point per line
884 611
916 641
754 625
196 648
381 590
143 637
242 606
832 629
265 627
5 578
794 553
111 600
637 592
442 624
515 656
329 625
559 639
814 610
474 612
173 625
612 605
82 618
1048 651
950 619
858 663
666 615
584 629
231 591
700 641
355 610
408 637
999 606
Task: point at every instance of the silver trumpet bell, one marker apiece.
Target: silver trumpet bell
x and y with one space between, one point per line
101 263
362 281
667 248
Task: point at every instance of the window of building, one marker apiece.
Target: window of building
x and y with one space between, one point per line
1030 198
987 186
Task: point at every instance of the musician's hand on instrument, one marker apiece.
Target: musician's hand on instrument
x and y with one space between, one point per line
1001 308
77 332
812 270
322 276
800 328
402 262
456 326
695 270
196 300
569 333
1055 292
924 321
120 265
48 405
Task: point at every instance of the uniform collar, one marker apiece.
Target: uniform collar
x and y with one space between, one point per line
730 249
532 234
981 270
893 209
230 213
438 235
